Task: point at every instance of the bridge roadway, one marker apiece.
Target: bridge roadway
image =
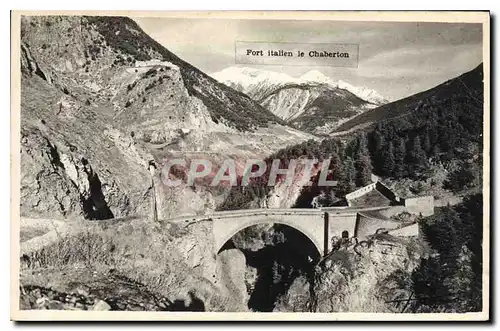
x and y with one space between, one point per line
319 225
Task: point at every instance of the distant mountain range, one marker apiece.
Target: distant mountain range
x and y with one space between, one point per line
313 102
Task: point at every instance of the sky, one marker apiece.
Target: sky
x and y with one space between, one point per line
397 59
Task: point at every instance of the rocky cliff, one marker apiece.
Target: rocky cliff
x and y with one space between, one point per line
100 99
368 276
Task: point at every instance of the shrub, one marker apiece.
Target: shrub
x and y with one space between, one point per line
459 179
85 247
131 86
150 73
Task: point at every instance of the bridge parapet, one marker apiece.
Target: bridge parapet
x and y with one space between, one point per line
319 225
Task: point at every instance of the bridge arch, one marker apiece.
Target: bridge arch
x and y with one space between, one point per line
225 229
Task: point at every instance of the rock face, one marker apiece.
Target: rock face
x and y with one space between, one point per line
312 102
101 305
368 276
100 99
231 268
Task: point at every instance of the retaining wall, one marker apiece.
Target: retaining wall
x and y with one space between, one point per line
360 192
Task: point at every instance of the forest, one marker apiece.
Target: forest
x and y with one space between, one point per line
451 278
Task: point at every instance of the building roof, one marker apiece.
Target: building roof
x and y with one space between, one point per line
372 198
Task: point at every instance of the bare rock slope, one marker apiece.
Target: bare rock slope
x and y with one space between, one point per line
368 276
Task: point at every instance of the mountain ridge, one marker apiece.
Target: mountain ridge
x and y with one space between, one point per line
237 75
413 102
313 102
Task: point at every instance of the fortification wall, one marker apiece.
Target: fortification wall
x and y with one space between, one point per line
377 185
392 211
150 63
338 223
360 192
420 205
366 226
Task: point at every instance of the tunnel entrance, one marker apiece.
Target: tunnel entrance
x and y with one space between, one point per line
275 255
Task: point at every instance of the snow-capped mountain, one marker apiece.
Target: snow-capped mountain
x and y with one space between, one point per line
364 93
251 81
313 102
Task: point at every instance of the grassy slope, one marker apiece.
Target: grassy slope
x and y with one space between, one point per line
165 259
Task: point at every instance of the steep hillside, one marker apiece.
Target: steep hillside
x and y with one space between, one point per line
441 128
330 108
469 84
312 102
129 264
100 99
105 44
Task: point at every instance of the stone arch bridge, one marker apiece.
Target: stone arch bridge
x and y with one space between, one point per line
319 225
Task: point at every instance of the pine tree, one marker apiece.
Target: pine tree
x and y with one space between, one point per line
435 152
459 179
427 143
378 150
417 157
363 163
388 162
399 158
336 166
348 177
377 139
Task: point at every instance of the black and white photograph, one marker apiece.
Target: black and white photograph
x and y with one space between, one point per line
182 164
